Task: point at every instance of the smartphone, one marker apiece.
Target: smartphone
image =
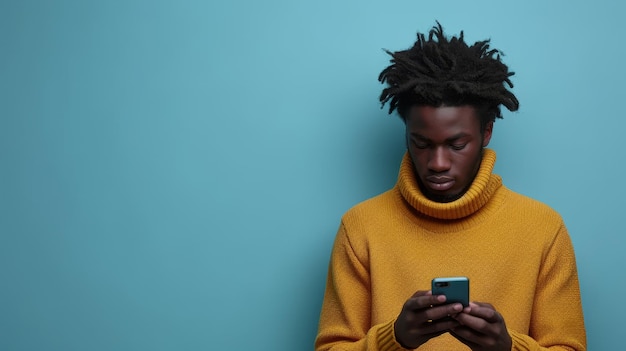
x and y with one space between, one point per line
456 289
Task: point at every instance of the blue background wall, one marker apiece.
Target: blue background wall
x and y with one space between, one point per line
172 173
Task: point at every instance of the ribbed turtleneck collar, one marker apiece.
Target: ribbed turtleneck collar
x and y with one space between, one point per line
483 187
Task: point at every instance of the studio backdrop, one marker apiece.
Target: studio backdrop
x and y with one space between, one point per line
173 173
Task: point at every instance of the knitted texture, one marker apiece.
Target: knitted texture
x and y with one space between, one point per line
516 252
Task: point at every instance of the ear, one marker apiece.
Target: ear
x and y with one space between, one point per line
487 133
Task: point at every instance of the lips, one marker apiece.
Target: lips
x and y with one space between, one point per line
439 183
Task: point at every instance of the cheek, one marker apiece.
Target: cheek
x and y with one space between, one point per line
469 166
420 159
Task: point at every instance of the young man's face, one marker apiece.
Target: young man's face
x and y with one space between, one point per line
445 144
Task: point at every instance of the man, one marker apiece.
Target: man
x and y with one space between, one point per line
449 215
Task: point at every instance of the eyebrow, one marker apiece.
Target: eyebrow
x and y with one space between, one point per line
452 138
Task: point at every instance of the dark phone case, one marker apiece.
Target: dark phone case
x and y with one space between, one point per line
456 289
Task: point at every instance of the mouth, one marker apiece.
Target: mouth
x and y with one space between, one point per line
439 183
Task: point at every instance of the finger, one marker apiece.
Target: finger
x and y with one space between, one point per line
422 293
480 323
443 311
438 326
484 311
423 301
472 322
437 314
429 316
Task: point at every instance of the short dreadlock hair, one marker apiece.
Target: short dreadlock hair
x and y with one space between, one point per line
441 71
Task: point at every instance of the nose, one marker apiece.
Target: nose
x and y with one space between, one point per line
439 160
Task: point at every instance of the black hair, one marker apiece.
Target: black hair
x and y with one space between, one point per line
441 71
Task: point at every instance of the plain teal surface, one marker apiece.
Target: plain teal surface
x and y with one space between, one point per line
172 173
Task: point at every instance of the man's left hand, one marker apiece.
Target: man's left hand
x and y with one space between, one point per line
482 328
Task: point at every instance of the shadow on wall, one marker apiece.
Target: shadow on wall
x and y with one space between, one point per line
374 151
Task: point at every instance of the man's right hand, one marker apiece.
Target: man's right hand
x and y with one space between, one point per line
423 318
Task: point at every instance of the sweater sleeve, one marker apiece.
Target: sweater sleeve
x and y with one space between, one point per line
557 316
345 319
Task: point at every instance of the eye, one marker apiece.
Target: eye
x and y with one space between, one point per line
420 144
458 146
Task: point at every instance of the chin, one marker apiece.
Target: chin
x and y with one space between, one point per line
444 197
438 197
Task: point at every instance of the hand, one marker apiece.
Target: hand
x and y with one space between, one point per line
423 318
482 328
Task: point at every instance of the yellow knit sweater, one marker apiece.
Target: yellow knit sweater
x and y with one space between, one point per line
515 250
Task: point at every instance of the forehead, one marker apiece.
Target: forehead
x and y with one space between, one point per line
444 119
